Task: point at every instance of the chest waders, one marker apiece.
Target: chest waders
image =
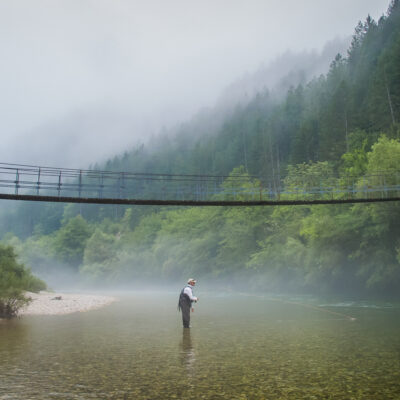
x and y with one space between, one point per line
184 306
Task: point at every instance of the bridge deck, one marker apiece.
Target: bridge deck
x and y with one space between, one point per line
32 183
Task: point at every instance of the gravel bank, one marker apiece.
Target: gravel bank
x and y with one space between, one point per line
46 303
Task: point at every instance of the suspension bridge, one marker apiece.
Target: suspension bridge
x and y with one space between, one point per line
48 184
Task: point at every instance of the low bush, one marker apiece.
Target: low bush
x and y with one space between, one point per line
15 280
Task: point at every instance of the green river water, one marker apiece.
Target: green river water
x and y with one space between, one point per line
239 347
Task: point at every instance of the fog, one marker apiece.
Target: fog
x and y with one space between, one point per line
59 276
81 80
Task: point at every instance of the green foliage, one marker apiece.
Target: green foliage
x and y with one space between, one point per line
241 230
99 248
99 254
314 178
187 241
382 165
71 239
239 178
354 162
145 232
14 280
385 156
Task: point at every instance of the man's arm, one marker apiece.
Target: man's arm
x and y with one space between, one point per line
188 291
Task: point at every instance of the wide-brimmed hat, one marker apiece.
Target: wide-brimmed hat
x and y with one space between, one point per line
191 280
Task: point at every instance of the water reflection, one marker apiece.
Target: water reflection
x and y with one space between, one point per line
188 357
14 335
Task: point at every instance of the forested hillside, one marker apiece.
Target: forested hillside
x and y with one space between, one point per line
344 122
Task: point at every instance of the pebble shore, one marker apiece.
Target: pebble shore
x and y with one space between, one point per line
49 303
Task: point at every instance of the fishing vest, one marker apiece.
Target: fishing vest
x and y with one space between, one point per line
184 298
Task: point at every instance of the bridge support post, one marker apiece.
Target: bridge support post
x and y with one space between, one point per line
16 181
59 184
80 184
38 183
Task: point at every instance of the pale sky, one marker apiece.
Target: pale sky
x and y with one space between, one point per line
81 80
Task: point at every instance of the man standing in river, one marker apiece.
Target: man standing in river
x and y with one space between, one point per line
186 299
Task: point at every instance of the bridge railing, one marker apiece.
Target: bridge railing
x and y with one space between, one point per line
73 183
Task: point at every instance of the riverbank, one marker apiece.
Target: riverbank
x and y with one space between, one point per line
55 303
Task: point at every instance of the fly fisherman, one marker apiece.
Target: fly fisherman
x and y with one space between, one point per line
186 299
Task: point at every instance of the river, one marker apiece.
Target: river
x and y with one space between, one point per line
239 347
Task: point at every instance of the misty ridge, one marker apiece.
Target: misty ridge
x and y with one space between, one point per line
79 132
288 70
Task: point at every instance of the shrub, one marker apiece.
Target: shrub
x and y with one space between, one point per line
15 279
